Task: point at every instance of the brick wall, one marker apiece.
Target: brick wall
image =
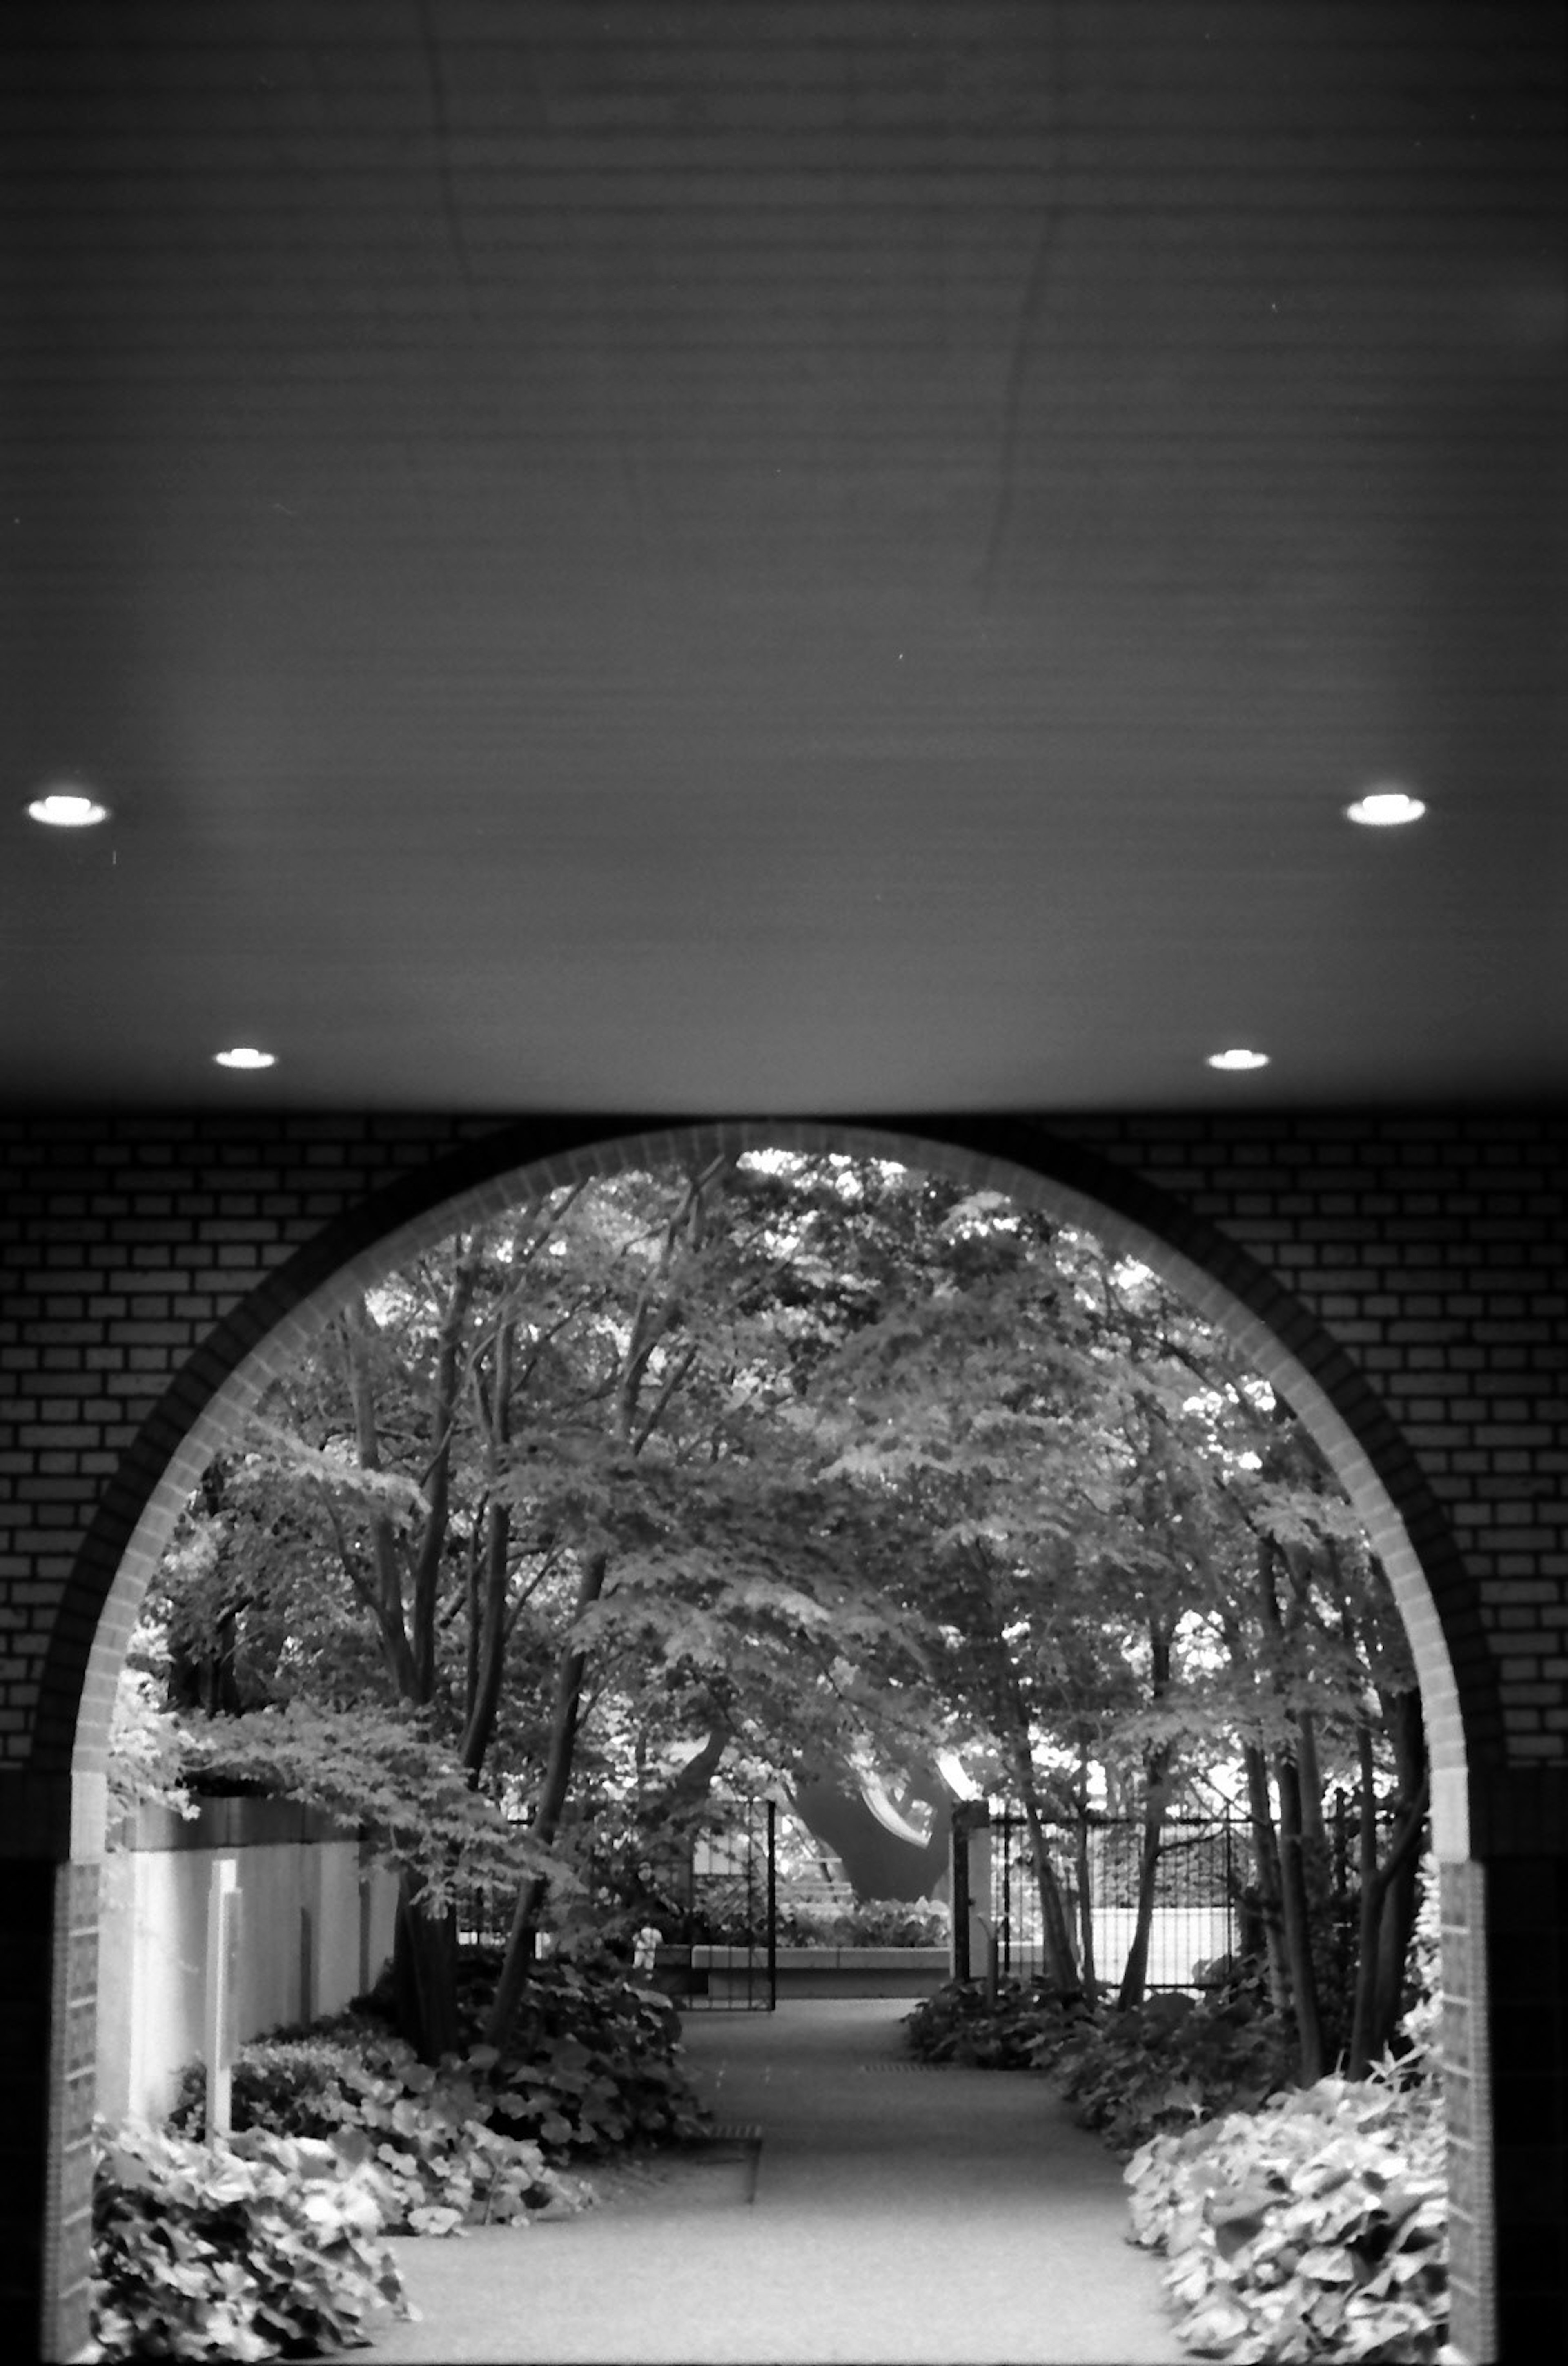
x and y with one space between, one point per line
1404 1279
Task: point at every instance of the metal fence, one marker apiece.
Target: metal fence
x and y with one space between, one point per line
717 1890
1204 1865
722 1891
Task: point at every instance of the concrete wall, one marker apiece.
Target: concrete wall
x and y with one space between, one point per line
314 1935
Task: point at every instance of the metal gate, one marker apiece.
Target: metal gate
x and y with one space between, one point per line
1203 1863
712 1900
729 1925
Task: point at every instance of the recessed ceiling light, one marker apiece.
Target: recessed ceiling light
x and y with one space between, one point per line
1386 808
1237 1058
245 1055
68 809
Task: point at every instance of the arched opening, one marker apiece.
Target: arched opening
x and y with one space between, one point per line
1277 1336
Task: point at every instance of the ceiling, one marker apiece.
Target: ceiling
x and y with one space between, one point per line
756 556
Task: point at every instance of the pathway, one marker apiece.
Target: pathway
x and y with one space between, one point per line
899 2216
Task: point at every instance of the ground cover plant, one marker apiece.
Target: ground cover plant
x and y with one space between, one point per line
592 2060
427 2139
263 2246
1128 2075
483 2137
1315 2228
1020 2027
1133 2075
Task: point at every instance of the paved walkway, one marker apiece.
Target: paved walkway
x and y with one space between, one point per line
897 2216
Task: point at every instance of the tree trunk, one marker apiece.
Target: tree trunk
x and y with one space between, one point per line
1266 1846
487 1651
1090 1973
571 1667
391 1624
1135 1972
424 1975
1315 1831
1058 1962
1390 1896
1403 1715
441 1416
487 1600
686 1793
1055 1937
1296 1905
1360 2053
1389 1891
1295 1885
1156 1772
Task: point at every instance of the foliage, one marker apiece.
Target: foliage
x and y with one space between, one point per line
1172 2061
1421 2023
868 1922
265 2246
383 1767
1315 2228
773 1462
292 2085
593 2061
423 2138
1137 1567
1129 2074
148 1753
429 2135
594 2066
1020 2028
541 1487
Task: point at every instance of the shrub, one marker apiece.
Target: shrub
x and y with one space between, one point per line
293 2085
1022 2028
1315 2228
896 1922
868 1922
1129 2075
426 2139
266 2246
593 2065
593 2061
1160 2065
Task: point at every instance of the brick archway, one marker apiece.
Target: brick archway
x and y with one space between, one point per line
1403 1279
1223 1281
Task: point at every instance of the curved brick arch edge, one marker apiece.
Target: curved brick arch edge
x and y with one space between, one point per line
1267 1322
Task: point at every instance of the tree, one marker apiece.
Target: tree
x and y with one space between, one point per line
990 1400
765 1462
534 1492
1111 1505
147 1762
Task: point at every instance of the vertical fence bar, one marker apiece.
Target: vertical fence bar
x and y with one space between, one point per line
1341 1890
1199 1907
961 1903
773 1905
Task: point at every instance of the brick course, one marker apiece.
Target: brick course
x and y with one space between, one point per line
1403 1277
